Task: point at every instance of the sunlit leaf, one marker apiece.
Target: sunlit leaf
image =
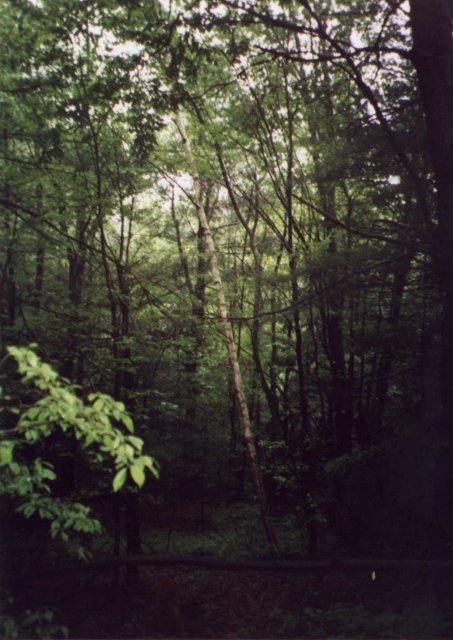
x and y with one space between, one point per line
119 479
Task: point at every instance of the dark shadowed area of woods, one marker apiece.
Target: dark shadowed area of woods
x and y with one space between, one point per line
226 318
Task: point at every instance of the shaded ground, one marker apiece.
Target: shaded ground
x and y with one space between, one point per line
182 602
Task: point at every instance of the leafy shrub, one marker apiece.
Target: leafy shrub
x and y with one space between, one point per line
58 408
101 426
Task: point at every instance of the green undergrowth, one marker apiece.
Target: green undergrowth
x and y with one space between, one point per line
234 532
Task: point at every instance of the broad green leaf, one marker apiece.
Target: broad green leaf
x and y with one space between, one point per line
136 442
151 464
138 475
98 405
32 358
68 397
47 473
6 455
127 421
119 479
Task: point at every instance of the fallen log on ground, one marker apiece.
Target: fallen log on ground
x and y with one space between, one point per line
296 566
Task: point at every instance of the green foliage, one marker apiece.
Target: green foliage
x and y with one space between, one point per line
32 623
100 242
96 425
230 532
341 465
276 464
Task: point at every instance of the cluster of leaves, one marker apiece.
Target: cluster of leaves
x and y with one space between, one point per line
92 424
39 623
275 466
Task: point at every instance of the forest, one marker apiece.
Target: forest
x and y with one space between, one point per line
226 318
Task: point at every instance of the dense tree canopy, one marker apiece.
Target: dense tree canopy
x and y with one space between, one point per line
275 177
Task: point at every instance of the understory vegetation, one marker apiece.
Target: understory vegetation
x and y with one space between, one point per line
226 318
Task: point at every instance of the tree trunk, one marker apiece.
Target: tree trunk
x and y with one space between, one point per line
387 356
269 390
197 294
431 22
229 339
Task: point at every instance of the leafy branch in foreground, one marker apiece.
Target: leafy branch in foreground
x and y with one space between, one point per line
59 409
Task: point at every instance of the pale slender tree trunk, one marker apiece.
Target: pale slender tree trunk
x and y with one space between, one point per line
227 331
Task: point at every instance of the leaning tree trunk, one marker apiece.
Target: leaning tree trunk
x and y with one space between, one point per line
269 390
227 331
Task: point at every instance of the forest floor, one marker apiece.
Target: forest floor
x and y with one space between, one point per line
181 602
